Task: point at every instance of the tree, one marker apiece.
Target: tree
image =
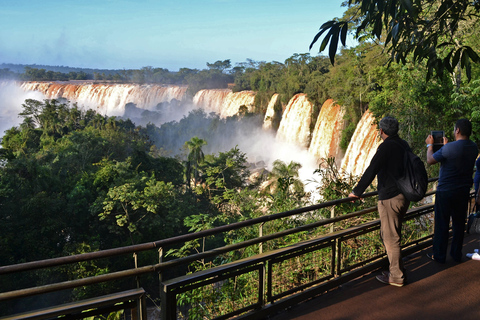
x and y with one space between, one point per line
133 203
286 176
194 158
434 32
285 186
225 174
220 65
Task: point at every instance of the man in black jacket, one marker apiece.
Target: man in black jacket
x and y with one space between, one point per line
387 165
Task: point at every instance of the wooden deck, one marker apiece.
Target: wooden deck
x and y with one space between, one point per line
433 291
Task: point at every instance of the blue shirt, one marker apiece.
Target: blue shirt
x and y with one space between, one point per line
457 160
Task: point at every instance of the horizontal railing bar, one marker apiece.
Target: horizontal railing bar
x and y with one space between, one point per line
173 263
76 283
153 268
170 241
165 242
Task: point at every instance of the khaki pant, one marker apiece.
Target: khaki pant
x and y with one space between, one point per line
391 213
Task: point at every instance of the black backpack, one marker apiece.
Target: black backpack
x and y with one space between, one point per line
414 181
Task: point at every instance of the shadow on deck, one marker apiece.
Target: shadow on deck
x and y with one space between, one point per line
433 291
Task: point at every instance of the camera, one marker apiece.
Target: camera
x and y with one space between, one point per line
437 139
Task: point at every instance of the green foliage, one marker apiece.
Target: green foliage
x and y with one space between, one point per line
59 166
334 184
86 269
467 100
300 73
285 189
436 32
416 104
224 175
44 75
194 159
133 201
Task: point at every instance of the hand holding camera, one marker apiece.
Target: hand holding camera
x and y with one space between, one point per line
437 139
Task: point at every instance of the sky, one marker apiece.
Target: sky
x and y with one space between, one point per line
131 34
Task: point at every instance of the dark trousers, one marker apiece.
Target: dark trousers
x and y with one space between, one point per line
391 213
450 205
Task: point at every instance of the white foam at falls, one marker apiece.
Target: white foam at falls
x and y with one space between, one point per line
223 101
295 124
270 113
362 146
11 99
109 99
328 132
263 145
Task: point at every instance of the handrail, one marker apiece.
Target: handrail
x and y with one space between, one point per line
171 264
165 242
178 261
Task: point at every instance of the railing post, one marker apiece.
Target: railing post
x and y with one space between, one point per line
135 259
338 256
160 260
332 215
260 234
262 279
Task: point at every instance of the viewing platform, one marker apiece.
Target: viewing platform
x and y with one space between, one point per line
433 291
325 275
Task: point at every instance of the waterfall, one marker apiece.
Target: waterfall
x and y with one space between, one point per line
294 128
223 101
295 124
109 99
270 114
328 132
362 147
211 100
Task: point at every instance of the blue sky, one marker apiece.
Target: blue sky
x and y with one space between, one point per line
117 34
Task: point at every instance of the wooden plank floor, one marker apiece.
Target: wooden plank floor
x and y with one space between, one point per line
433 291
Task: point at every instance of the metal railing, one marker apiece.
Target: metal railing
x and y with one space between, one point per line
330 258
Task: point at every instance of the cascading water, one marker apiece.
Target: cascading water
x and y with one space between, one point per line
211 100
270 114
109 99
362 147
328 132
223 101
294 129
295 124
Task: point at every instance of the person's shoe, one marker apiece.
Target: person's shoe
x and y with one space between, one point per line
431 257
387 275
384 278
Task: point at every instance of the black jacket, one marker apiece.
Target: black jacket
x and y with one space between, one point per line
386 164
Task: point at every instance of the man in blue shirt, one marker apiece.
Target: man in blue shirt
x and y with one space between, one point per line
457 160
